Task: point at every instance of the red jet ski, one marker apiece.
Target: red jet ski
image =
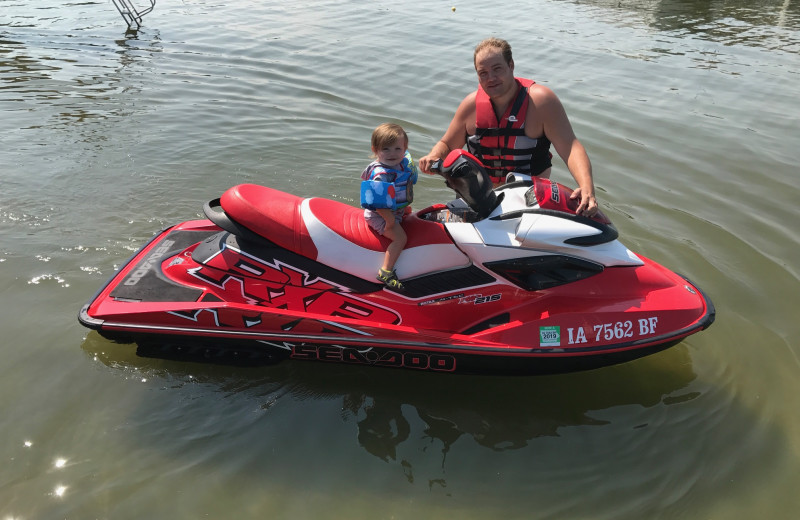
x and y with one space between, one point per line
506 280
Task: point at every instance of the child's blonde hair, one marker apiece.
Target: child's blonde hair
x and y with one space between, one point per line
386 134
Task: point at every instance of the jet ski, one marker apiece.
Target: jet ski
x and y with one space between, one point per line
506 280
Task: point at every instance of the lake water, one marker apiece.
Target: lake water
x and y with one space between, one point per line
689 111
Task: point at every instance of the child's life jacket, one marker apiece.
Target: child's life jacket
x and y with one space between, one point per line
388 188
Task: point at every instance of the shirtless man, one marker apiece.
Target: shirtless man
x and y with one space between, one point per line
486 121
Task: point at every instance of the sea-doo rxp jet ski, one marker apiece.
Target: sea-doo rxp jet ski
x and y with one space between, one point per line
506 280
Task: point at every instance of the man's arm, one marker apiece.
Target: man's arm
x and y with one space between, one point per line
559 131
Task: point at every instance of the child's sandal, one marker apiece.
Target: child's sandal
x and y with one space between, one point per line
390 279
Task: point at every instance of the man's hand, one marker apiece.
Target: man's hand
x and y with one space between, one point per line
588 203
426 162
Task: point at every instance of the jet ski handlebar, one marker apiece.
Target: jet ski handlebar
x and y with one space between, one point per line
458 163
466 175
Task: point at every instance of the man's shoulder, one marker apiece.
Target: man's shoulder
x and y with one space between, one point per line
539 92
469 99
468 106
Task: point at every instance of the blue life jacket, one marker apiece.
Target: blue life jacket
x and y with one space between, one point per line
384 187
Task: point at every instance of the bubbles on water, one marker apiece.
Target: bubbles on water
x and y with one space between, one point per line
81 249
23 218
37 280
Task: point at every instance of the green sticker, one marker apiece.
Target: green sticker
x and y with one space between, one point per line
550 336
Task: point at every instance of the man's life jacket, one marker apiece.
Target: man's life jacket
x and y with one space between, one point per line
502 146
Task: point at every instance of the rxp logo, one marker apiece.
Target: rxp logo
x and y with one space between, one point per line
478 299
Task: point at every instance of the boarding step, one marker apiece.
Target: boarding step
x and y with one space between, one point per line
132 15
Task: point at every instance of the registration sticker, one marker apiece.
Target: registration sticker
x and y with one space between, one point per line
550 336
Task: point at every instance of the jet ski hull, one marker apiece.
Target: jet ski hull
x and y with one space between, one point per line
196 291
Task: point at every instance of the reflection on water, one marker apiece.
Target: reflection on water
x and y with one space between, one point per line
766 24
61 75
726 21
565 444
391 407
83 94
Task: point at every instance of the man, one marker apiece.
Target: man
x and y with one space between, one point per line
509 124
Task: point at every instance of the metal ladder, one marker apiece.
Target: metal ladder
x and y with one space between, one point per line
130 14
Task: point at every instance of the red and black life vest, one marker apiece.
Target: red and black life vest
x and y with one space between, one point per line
502 146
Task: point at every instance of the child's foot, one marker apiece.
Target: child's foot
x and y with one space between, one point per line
390 279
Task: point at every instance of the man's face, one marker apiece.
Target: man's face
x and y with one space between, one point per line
494 74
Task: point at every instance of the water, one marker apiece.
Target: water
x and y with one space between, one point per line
688 110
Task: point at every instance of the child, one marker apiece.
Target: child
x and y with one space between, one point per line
386 192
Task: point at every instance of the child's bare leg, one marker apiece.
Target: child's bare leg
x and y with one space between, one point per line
394 232
397 235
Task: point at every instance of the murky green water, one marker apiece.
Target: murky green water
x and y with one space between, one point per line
689 112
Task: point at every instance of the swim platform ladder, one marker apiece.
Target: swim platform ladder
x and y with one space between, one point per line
131 15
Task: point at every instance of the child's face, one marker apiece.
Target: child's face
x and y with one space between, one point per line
393 153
